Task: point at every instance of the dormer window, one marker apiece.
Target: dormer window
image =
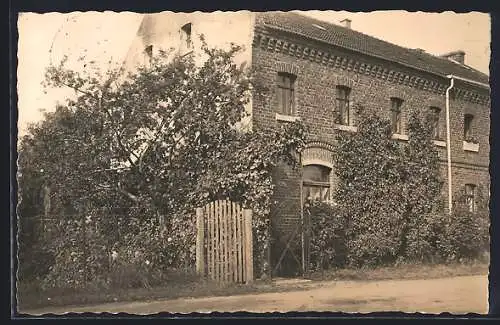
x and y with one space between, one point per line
186 36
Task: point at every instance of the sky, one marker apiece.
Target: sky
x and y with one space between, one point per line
104 37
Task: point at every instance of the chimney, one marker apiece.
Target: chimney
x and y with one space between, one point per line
346 23
457 56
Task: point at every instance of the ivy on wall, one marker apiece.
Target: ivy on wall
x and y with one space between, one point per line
389 197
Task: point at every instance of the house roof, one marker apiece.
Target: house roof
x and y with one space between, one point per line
355 41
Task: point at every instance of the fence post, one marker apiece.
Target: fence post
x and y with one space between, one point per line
247 214
200 261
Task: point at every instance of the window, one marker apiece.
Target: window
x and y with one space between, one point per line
149 53
286 93
468 126
316 183
435 118
470 197
186 36
343 93
396 123
149 50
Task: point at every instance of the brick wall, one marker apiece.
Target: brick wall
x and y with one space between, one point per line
315 93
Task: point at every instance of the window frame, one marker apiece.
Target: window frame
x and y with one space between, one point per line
436 122
470 197
343 104
396 115
285 86
321 185
186 31
468 127
149 51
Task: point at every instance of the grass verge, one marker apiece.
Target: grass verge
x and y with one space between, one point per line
404 272
31 297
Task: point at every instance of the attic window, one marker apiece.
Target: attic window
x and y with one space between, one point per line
318 26
149 53
149 50
186 35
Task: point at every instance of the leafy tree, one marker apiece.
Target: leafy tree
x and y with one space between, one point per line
162 141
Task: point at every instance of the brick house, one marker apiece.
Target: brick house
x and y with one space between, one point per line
317 71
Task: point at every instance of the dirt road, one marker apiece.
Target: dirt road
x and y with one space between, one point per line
458 295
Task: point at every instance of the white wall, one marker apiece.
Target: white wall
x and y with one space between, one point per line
220 29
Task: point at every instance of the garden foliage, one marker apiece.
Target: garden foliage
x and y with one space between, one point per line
155 145
388 197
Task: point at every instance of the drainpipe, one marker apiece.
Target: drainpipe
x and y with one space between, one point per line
448 142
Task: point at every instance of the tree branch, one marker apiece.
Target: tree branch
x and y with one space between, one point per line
78 89
127 194
158 131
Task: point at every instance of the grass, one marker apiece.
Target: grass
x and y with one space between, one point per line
31 297
404 272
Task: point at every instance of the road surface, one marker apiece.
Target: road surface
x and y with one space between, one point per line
457 295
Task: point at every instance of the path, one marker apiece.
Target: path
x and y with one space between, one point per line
457 295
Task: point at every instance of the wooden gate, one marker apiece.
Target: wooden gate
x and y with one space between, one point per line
224 245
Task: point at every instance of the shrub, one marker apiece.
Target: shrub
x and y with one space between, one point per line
35 263
119 252
327 236
466 236
425 239
80 254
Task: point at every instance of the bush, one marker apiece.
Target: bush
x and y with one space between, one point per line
425 238
327 236
466 236
34 264
80 254
119 252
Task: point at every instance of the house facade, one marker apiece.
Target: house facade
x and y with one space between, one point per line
317 72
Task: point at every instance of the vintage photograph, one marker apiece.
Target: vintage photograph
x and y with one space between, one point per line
253 161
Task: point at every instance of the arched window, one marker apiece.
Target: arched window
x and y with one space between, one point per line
316 182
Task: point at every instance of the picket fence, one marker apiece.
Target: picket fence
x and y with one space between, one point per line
224 243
